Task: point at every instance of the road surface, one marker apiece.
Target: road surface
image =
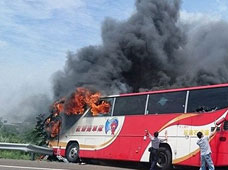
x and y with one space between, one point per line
9 164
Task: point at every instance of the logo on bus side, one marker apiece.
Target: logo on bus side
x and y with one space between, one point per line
111 125
190 132
89 128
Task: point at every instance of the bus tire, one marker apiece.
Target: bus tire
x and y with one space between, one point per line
72 152
164 159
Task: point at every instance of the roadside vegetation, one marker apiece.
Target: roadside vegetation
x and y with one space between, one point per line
26 133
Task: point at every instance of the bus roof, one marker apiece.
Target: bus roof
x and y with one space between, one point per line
172 90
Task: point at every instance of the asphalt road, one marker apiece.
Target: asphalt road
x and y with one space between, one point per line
8 164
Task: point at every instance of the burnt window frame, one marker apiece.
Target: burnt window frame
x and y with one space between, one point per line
208 109
88 114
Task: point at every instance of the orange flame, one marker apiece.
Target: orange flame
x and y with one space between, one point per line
55 128
52 127
101 108
58 107
83 97
75 104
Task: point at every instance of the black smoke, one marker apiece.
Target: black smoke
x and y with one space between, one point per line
206 55
150 50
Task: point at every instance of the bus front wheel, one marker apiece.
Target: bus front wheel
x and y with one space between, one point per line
164 159
72 152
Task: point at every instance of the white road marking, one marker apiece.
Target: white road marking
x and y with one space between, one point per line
26 167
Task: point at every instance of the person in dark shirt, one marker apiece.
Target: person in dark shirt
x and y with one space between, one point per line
155 142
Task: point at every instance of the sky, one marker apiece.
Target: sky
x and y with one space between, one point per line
36 35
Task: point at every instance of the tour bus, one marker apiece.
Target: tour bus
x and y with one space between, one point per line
120 134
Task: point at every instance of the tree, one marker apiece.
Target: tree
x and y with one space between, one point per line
38 135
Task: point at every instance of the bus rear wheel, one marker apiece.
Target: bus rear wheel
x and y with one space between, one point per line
72 152
164 159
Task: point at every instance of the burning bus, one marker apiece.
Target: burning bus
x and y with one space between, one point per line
114 127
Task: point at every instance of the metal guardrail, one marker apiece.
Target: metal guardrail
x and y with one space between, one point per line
26 148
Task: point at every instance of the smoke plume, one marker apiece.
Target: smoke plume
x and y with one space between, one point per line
28 108
152 49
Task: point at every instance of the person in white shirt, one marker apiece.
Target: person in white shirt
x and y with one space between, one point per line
155 142
205 150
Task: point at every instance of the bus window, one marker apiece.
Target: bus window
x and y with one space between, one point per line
207 100
110 101
130 105
166 103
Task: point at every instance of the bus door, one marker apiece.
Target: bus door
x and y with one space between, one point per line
135 148
222 145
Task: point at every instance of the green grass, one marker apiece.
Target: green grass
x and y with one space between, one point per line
14 155
25 134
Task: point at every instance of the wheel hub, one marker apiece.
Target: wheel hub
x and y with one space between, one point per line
73 152
162 160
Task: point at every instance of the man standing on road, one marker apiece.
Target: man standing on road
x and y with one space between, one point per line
205 150
155 142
